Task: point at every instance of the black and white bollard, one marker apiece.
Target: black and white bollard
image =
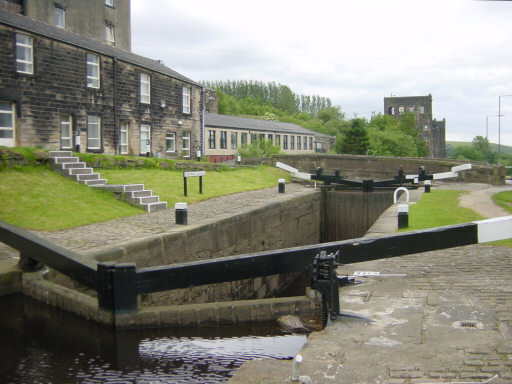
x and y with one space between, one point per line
427 186
403 216
281 185
181 213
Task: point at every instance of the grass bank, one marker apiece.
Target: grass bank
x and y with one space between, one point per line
438 208
38 198
441 207
169 185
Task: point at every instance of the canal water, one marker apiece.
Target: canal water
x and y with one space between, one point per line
41 344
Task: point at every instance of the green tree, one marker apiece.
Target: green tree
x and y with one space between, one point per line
354 140
395 137
330 113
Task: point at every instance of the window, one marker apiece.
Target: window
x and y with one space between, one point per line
292 142
401 110
170 142
93 71
66 130
110 33
310 143
145 88
285 141
411 109
391 111
145 138
223 139
234 140
298 142
24 54
124 139
93 132
422 109
254 138
110 3
59 16
271 138
425 128
278 140
304 143
186 100
243 139
211 139
7 124
186 144
262 136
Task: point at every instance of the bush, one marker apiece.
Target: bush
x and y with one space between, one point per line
260 148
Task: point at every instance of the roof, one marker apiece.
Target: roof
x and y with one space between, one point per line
36 27
216 120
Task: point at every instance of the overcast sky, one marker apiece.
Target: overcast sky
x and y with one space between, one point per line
354 52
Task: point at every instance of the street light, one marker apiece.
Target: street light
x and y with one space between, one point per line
499 127
487 132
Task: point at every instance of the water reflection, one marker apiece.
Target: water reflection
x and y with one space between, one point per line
39 344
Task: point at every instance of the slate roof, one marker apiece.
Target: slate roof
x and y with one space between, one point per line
216 120
36 27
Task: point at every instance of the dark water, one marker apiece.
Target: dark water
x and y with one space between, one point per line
39 344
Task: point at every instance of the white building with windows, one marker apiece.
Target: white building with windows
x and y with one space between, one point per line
224 135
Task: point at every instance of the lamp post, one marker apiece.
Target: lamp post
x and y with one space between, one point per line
487 133
499 127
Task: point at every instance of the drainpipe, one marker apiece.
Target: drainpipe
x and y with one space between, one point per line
203 96
115 107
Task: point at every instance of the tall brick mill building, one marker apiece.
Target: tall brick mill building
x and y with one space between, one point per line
65 83
430 130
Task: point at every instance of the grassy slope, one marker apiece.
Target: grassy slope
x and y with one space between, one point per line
169 185
37 198
494 147
439 208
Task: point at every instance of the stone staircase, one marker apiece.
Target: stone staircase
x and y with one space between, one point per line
64 163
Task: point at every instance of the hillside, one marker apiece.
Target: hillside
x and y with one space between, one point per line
493 146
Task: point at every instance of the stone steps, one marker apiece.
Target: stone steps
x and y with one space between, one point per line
70 166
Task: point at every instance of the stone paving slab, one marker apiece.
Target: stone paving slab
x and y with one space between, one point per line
448 320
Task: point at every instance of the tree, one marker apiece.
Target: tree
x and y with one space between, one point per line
330 113
355 139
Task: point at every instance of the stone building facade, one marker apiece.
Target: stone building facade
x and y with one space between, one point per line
433 132
101 20
59 90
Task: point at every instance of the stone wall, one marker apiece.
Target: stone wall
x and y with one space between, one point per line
382 168
286 224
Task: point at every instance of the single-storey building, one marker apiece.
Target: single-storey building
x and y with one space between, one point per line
61 90
224 135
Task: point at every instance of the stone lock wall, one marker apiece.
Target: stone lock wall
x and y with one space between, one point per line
286 224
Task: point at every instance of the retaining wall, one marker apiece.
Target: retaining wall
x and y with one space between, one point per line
290 223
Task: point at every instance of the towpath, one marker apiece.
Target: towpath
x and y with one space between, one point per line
445 318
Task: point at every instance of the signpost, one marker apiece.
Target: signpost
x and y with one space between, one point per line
199 174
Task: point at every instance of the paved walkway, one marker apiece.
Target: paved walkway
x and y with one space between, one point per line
445 318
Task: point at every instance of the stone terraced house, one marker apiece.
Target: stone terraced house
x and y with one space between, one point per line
64 90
